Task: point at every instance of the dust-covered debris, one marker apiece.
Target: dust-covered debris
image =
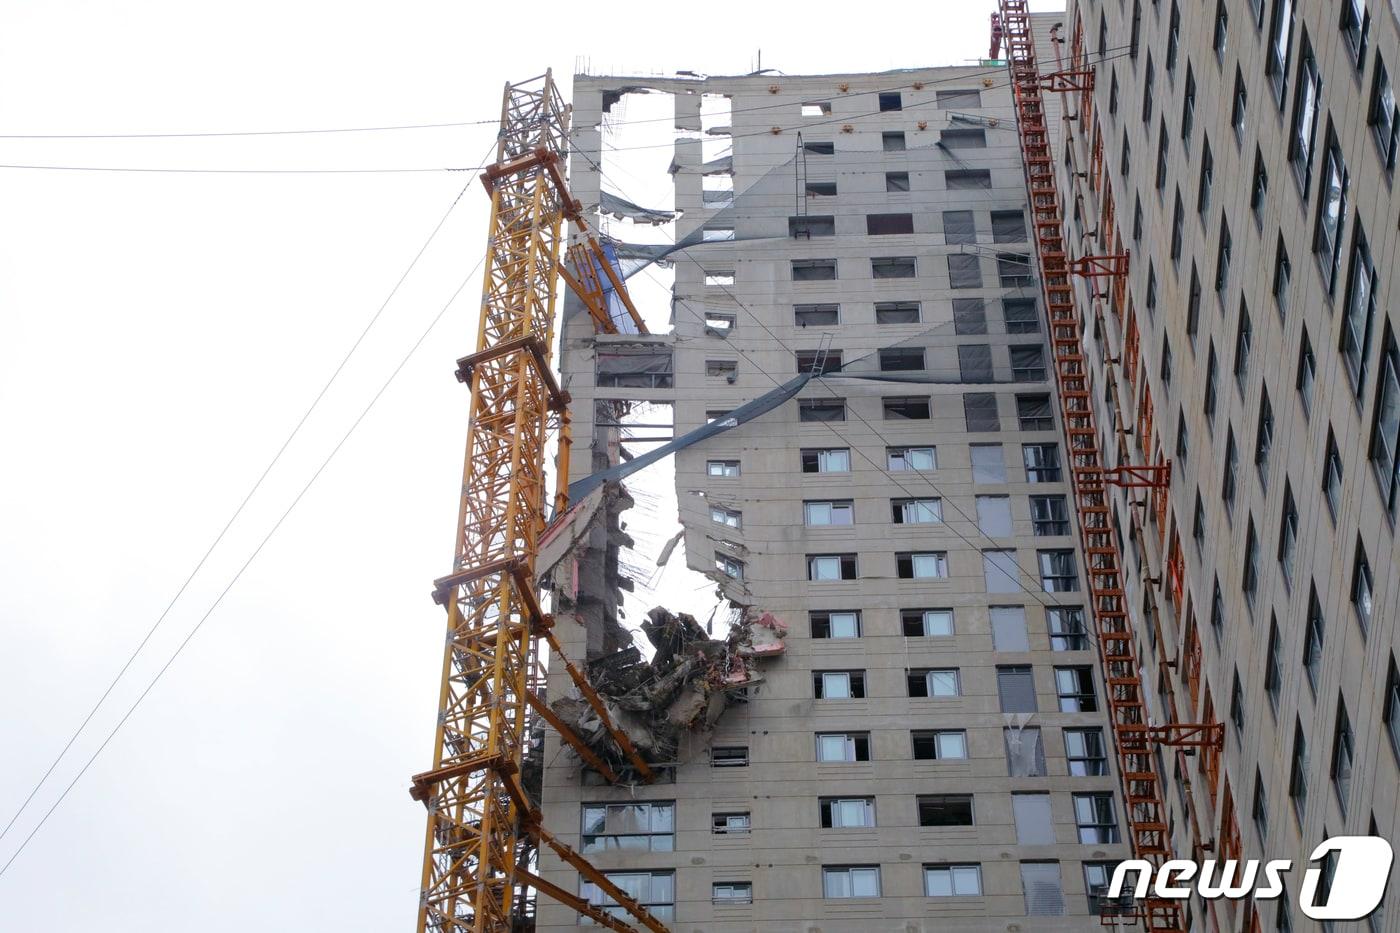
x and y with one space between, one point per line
689 682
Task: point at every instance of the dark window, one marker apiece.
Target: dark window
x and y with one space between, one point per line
1298 772
836 624
1356 27
1178 222
1014 270
821 409
819 148
966 179
1086 753
1273 668
1283 275
901 359
1391 711
818 361
1058 573
1075 688
1095 820
1237 704
1362 587
980 411
1240 106
1259 188
1148 88
1173 37
1264 437
882 224
934 744
945 810
1193 304
1259 810
1280 38
893 267
815 315
1384 116
897 312
1306 104
1008 227
964 271
1343 755
1331 211
1307 371
1385 432
1042 462
1019 314
1207 181
1332 475
896 181
963 139
821 189
1212 370
813 270
1360 310
1016 689
958 227
1288 535
1160 181
915 406
1028 363
1188 106
890 100
1312 640
1221 32
1049 515
1068 631
1244 339
826 460
892 141
975 363
1034 414
1222 258
924 682
729 756
811 226
1229 478
969 316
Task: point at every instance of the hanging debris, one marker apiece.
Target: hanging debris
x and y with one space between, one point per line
689 682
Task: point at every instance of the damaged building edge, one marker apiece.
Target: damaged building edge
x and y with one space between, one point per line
691 678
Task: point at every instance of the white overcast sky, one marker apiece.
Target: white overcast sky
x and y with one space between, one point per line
160 334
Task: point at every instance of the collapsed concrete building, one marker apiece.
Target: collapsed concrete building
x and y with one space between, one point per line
896 722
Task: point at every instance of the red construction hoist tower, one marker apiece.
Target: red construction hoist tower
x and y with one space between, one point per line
1134 736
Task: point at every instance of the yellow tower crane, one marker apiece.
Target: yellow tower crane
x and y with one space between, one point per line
480 817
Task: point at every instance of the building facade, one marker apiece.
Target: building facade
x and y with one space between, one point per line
1242 152
932 751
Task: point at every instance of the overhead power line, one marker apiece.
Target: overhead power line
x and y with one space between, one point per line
237 171
237 512
492 121
251 557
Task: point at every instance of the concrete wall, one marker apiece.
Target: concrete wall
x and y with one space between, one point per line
784 853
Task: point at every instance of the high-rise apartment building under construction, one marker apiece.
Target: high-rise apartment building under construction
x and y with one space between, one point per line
1040 429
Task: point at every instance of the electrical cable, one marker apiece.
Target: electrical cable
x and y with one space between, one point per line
494 120
256 551
685 303
276 458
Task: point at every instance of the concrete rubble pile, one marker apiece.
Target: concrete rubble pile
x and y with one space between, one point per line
689 682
